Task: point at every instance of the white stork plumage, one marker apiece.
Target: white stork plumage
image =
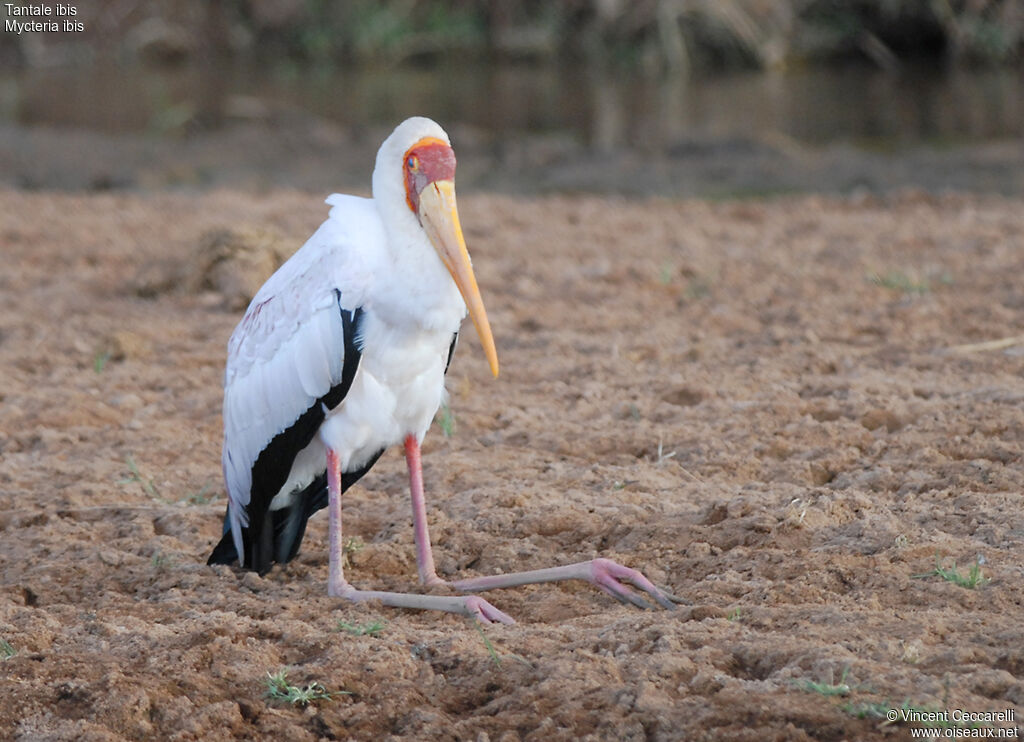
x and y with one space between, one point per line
343 353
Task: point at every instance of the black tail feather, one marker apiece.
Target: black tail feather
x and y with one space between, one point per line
282 532
224 552
290 522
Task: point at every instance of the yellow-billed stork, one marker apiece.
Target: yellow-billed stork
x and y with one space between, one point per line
343 353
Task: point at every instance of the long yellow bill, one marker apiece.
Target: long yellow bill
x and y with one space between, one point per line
440 219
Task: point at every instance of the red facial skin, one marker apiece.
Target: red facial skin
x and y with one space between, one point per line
428 160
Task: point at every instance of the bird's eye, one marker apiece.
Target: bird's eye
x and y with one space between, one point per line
413 163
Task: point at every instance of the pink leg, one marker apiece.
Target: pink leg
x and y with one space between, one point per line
335 569
609 576
424 555
338 586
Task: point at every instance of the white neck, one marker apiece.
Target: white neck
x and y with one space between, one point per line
414 286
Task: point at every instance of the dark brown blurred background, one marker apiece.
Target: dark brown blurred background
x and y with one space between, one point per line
675 97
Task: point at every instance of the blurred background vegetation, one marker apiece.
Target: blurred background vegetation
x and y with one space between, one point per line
651 35
715 98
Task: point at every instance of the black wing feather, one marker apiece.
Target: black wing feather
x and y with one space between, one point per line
451 351
272 535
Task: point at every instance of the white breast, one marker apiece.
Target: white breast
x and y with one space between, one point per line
396 391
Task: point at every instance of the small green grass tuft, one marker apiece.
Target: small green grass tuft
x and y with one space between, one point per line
279 689
665 274
161 561
6 650
136 476
736 614
446 420
495 657
828 689
487 643
973 579
900 281
350 547
99 361
201 496
367 629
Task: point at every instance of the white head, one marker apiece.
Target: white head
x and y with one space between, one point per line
414 187
390 173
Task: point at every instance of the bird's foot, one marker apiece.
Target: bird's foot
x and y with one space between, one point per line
610 577
472 606
614 579
483 611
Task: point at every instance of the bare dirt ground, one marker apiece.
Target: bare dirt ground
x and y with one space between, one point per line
755 402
